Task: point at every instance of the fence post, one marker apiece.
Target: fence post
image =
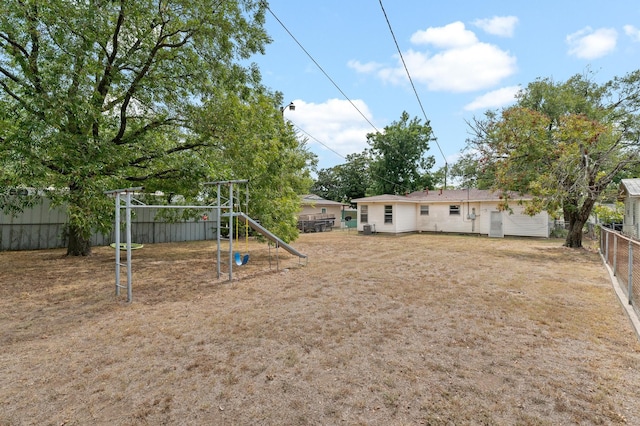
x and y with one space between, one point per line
117 236
615 254
630 283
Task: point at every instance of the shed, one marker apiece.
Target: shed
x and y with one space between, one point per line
630 195
469 211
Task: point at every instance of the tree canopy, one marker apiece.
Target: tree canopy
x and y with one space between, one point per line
399 162
563 142
347 181
99 95
396 162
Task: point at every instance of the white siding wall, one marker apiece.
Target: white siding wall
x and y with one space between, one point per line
376 219
636 215
404 217
517 224
523 225
631 221
407 218
440 219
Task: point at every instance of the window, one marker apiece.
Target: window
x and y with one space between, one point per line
424 210
388 214
454 209
364 214
324 210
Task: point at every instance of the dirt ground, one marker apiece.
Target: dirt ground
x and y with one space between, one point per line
373 330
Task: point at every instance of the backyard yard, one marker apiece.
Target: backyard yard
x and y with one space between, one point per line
375 330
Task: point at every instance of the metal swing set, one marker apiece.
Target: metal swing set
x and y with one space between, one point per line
227 199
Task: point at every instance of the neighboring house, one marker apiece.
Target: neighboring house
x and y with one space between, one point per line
630 196
314 204
470 211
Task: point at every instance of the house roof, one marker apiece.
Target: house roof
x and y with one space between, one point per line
384 199
631 187
446 195
312 199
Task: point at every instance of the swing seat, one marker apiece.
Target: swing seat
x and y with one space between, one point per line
241 260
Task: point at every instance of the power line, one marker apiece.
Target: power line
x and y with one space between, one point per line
319 67
342 156
317 140
339 89
446 165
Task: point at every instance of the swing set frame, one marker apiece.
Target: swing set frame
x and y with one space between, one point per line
224 207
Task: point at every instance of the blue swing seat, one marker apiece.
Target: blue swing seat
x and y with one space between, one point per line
241 260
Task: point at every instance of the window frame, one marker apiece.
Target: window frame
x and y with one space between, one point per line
364 214
454 209
388 214
424 210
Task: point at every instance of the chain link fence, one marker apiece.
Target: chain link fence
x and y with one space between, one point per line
622 254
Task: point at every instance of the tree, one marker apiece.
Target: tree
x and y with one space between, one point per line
610 214
99 95
469 172
399 160
265 150
564 143
327 183
346 181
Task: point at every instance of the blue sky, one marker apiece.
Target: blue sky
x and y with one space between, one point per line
464 57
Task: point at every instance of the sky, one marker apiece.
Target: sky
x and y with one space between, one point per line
339 64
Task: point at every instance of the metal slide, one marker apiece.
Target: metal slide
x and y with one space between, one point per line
261 229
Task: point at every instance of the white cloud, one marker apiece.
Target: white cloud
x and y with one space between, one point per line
632 32
495 99
502 26
334 125
364 68
591 44
450 36
461 64
464 69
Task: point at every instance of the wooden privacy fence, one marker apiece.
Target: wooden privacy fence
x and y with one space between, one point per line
622 254
42 227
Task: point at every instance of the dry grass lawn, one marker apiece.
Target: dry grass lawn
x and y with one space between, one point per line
414 329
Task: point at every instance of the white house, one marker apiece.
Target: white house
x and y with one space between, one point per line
469 211
630 195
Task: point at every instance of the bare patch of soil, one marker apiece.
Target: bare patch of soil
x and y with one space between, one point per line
415 329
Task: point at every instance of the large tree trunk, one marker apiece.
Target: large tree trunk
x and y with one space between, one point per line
78 244
574 237
578 216
78 238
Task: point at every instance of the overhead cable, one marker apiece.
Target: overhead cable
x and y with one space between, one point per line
337 87
412 85
320 68
342 156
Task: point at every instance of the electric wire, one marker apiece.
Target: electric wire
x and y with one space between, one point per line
320 67
316 139
395 40
342 156
399 185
